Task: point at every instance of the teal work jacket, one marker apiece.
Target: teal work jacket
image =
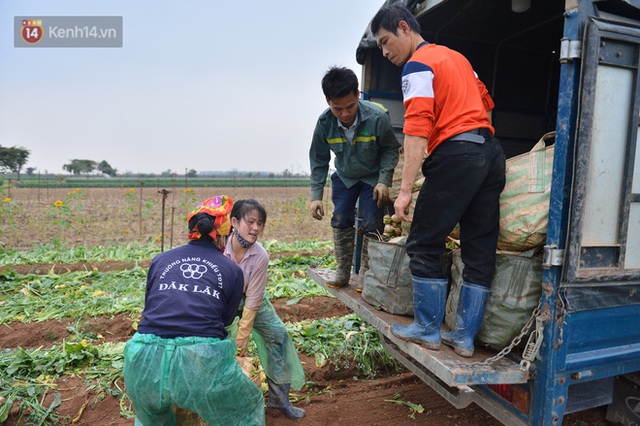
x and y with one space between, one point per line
370 158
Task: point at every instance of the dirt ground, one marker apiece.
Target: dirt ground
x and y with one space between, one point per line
335 397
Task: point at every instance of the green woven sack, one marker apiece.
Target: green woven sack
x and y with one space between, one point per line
387 283
524 202
515 292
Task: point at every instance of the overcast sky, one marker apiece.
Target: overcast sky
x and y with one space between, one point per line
207 85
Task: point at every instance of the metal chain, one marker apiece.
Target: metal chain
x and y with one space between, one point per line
515 342
561 313
533 345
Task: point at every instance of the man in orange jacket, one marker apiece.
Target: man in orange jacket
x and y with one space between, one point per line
446 115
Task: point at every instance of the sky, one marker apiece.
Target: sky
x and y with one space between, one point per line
206 85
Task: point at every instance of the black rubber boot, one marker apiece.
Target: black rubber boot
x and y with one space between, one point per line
279 399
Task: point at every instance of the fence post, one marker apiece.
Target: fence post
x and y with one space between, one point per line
173 211
164 193
140 209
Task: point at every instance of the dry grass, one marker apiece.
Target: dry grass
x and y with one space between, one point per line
110 216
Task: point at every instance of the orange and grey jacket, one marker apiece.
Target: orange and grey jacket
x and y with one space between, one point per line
443 96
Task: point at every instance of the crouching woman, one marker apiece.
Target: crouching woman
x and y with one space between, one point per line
259 319
181 355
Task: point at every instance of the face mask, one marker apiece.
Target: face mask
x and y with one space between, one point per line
244 243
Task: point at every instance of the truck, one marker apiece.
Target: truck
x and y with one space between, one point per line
571 67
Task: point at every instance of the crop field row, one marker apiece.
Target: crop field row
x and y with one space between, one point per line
27 375
52 322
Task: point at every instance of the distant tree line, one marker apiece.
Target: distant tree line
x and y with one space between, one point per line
13 158
79 167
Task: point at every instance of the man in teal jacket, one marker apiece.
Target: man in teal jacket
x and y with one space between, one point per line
360 135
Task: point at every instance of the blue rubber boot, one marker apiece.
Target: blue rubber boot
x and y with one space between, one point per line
429 297
473 299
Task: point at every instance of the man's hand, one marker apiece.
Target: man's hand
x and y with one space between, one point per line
401 206
381 194
415 148
317 210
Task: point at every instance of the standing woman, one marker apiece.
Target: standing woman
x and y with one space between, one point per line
181 354
276 351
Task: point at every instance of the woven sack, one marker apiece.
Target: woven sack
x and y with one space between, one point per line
524 202
387 282
515 292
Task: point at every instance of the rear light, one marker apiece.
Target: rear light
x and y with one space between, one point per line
516 395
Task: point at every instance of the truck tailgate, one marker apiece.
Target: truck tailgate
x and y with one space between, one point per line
444 364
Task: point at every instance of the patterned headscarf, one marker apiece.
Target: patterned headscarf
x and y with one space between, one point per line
219 207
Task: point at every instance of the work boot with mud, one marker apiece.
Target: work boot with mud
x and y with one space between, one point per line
343 240
279 399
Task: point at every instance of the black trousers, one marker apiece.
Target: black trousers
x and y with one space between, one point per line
463 182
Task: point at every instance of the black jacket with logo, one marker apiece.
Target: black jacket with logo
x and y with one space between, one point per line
192 290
